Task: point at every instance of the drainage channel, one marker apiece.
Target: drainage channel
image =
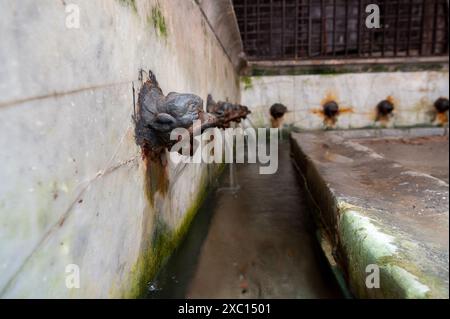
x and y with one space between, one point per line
256 242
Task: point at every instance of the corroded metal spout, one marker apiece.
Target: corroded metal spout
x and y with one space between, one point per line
277 112
226 112
441 105
331 109
157 115
385 108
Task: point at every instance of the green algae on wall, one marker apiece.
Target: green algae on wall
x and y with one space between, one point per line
247 82
158 21
129 3
340 69
162 245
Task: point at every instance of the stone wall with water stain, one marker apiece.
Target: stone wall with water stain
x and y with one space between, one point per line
412 93
74 188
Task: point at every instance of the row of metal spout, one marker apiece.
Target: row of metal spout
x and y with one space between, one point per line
331 110
158 114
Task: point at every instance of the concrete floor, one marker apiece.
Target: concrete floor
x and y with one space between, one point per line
258 243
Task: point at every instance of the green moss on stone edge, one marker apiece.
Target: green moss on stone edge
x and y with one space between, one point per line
365 242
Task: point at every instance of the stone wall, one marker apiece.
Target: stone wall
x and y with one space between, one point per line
358 94
74 188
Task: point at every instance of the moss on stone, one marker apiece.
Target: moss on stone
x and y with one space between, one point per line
163 244
365 242
247 82
159 22
264 72
407 272
343 69
129 3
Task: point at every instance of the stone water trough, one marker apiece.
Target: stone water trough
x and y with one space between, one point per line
381 198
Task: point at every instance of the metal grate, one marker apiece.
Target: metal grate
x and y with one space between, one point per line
326 29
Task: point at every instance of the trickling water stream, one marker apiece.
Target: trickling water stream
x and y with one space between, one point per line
256 242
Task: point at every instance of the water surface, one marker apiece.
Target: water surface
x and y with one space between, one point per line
257 242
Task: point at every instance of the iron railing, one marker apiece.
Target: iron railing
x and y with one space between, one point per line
327 29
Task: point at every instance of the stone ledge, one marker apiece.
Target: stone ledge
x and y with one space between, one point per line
365 202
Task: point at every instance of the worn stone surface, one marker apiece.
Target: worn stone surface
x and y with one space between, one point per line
73 186
412 93
379 209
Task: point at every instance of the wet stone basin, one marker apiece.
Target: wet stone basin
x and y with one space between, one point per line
257 242
384 202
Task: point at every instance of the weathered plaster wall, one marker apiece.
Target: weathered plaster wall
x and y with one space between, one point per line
223 20
73 186
413 94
